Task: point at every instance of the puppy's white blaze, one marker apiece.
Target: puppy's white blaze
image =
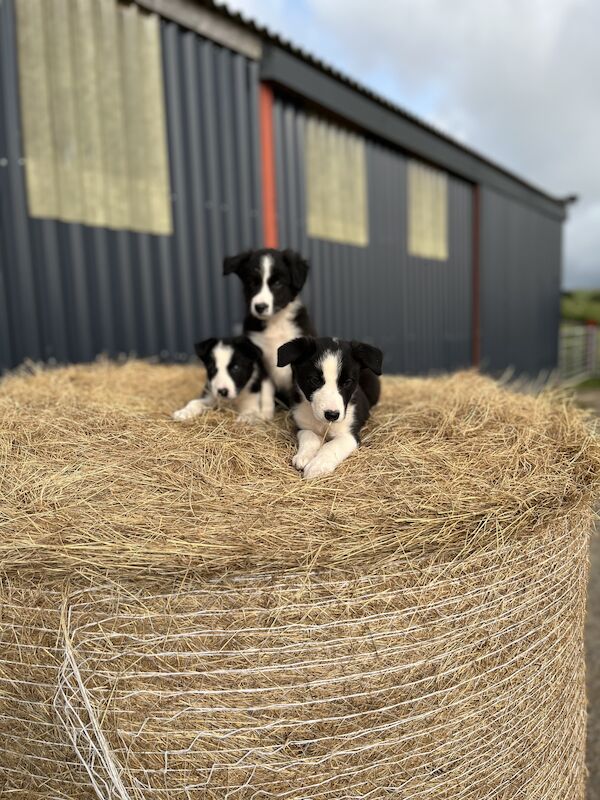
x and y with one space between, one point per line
222 354
328 397
265 295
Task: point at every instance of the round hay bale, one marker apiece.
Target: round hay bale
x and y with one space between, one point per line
182 616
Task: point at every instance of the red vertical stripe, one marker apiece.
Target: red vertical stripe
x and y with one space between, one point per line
476 318
267 149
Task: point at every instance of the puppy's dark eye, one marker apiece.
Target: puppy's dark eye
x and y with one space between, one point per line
314 382
234 368
348 383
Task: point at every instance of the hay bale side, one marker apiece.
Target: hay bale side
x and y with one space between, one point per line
462 679
427 644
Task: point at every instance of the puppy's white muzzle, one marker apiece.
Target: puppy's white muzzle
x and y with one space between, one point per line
263 302
223 391
328 405
262 306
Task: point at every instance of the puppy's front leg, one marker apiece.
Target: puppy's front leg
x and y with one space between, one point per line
248 407
308 445
194 408
330 455
267 399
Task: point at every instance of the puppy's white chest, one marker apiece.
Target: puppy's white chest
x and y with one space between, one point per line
280 329
306 420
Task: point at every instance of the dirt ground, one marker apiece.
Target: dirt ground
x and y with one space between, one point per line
591 398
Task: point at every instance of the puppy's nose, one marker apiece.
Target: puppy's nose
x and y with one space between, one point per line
223 392
331 416
260 308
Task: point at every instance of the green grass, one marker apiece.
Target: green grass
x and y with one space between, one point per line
581 306
590 383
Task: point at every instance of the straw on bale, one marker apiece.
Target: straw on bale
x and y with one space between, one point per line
182 616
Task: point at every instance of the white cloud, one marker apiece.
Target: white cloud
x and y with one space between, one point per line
582 243
516 80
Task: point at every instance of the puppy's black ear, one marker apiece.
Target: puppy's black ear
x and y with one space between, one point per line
368 356
295 350
249 349
235 263
298 268
203 348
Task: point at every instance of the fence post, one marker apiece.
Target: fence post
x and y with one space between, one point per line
591 345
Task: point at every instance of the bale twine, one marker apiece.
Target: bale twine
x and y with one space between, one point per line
182 617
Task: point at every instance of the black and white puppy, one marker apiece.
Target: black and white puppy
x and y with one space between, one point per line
335 387
272 280
236 377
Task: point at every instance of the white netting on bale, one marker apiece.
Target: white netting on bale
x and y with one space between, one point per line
444 680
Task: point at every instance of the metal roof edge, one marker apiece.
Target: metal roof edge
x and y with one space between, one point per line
304 79
207 21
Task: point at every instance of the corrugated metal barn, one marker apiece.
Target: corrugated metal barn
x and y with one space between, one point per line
140 143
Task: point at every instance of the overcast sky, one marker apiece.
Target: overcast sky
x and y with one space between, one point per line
517 80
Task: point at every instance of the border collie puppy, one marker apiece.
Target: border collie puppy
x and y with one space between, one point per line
335 387
272 280
234 376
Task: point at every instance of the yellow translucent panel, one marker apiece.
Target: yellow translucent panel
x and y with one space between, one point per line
427 212
86 61
336 184
93 113
35 110
156 167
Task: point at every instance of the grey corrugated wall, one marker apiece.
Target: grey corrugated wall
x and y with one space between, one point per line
520 259
69 291
419 311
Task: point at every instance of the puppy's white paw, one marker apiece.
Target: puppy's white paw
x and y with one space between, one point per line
300 460
193 409
182 415
318 467
247 419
